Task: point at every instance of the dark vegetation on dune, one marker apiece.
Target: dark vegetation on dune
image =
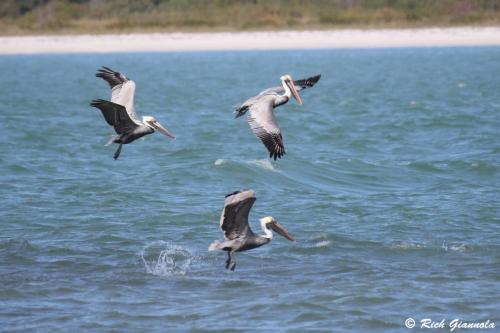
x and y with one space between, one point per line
101 16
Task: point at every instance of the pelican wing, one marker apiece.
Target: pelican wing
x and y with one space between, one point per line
234 218
263 124
240 110
299 85
115 115
122 90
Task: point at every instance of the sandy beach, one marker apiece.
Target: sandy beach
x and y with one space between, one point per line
170 42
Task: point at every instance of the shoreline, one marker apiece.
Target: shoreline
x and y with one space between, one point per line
239 41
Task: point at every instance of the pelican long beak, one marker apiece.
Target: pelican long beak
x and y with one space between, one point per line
295 94
280 230
158 126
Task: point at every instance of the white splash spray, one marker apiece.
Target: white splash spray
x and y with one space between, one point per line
166 259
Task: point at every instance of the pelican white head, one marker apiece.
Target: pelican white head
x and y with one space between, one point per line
269 223
151 122
290 90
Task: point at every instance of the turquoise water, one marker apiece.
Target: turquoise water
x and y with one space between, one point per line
390 185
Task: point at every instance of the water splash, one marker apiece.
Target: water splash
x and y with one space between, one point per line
219 161
165 259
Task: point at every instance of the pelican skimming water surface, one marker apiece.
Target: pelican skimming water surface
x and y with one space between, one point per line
120 112
260 110
237 233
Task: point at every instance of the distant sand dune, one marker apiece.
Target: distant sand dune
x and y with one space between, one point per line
428 37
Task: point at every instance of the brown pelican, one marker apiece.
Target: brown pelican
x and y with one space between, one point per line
120 112
261 115
237 233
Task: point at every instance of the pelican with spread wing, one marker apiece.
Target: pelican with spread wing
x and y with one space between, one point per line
237 233
120 112
260 110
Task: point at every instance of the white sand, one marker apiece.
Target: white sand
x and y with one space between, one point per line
428 37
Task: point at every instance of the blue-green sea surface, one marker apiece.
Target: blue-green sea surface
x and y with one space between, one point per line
391 185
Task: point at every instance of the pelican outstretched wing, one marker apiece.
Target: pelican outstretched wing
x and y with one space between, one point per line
263 124
299 85
115 115
122 90
234 218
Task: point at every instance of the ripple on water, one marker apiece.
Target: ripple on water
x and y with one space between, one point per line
407 245
19 251
447 247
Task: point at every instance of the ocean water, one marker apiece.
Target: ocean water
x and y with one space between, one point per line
391 185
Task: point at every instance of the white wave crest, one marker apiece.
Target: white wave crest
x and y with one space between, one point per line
165 259
407 245
264 164
456 247
323 243
219 161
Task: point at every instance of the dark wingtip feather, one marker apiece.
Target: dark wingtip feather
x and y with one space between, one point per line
112 77
103 71
240 111
313 80
307 83
96 102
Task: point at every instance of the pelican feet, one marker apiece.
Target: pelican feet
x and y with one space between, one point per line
118 151
230 262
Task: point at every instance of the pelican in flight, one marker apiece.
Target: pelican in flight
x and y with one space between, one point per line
237 233
120 112
260 110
